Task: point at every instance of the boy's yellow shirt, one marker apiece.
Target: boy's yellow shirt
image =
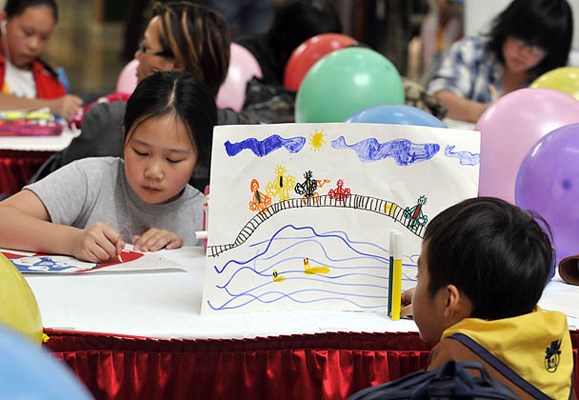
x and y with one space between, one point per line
537 346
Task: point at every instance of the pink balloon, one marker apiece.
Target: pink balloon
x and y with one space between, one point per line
510 128
127 81
242 67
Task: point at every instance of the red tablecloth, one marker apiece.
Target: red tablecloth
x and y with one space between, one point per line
17 167
320 366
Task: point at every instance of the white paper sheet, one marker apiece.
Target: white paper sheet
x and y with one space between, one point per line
130 261
300 214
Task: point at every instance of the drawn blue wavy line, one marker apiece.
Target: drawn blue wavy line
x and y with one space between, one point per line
403 151
323 249
264 273
464 157
262 148
289 296
332 266
249 291
335 231
412 257
219 271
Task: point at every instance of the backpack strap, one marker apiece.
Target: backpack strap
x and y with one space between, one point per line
501 367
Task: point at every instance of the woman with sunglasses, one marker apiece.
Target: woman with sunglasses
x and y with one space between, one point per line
527 39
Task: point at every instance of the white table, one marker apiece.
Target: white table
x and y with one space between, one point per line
167 305
39 143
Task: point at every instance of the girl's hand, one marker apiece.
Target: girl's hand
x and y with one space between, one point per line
66 106
97 243
156 239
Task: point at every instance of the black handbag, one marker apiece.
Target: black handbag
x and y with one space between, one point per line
454 380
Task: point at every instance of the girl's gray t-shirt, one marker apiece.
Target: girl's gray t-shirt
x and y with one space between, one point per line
95 189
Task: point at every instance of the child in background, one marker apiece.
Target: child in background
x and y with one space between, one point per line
527 39
27 82
483 267
92 207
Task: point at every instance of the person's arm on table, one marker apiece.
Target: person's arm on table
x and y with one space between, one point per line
26 226
64 106
461 108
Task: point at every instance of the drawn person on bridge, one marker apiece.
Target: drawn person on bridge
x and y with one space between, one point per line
340 193
259 201
415 214
307 189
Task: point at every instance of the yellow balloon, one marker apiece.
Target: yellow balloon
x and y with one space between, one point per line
564 79
18 306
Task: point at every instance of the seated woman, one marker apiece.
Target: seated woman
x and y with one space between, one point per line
527 39
180 36
26 81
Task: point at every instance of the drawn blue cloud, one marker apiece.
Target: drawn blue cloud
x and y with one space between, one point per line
465 157
266 146
403 151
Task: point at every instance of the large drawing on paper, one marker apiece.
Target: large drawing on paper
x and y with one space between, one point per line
300 214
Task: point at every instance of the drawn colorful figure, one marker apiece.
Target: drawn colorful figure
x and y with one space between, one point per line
281 184
260 201
308 269
415 215
340 193
277 277
307 189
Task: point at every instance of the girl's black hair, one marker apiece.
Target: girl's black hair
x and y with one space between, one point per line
16 7
547 24
178 93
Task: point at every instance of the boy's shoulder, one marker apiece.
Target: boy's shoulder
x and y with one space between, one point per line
524 351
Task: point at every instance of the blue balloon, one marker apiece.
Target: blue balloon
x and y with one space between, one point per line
396 114
30 372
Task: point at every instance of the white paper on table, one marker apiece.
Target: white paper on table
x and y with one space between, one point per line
34 263
273 247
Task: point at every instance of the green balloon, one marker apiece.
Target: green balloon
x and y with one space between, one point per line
345 82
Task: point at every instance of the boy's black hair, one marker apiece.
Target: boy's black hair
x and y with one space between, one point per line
17 7
181 94
547 24
492 251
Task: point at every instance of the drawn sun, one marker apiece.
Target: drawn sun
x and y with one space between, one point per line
317 140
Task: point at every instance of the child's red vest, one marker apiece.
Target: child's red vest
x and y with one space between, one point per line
47 84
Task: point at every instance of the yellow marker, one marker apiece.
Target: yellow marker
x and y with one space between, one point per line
396 280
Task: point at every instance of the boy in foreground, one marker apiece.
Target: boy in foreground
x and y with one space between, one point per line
483 267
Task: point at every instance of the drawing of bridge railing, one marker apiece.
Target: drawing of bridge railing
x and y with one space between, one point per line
355 201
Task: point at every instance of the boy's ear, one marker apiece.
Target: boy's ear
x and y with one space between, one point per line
458 305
